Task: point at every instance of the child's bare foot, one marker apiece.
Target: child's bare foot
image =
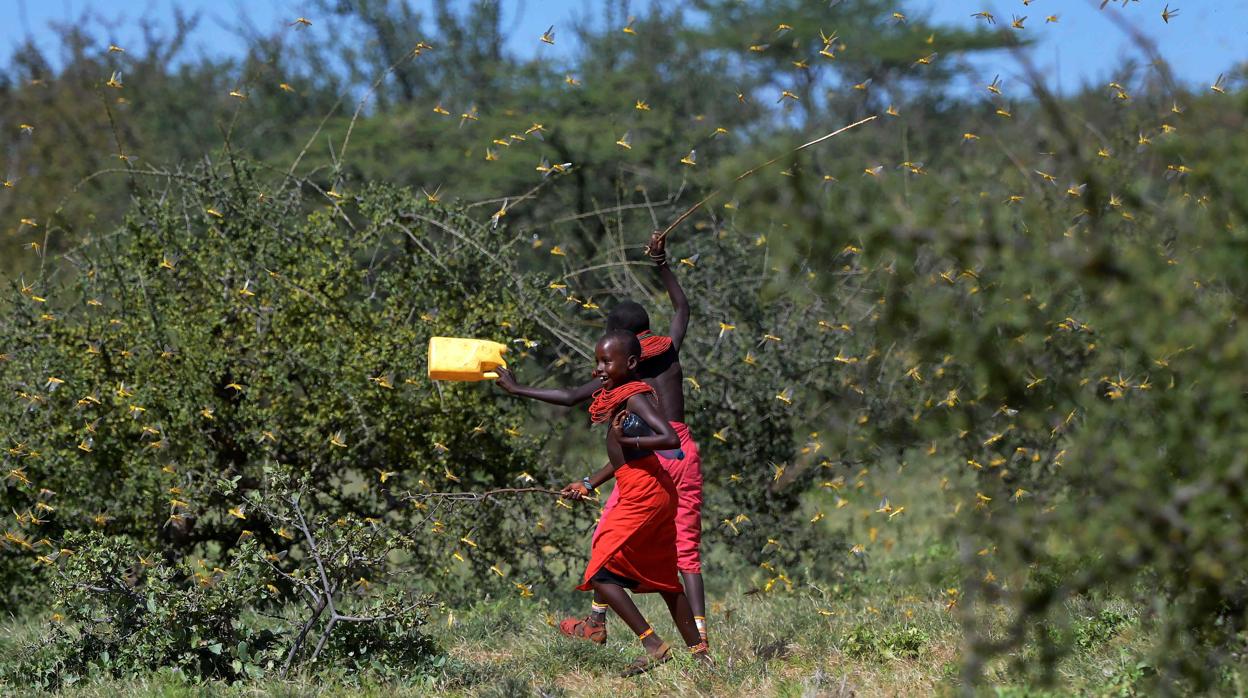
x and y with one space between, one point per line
654 656
585 629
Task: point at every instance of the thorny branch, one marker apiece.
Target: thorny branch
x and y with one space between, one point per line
331 582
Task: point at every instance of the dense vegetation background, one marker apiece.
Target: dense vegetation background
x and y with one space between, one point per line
967 378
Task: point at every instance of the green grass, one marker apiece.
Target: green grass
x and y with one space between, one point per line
763 646
885 631
888 642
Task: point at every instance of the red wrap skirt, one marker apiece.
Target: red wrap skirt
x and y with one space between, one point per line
636 538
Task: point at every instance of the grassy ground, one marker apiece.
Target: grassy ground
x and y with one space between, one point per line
884 642
885 631
764 646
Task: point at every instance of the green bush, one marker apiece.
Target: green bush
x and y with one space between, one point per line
1082 377
865 642
225 329
1097 630
119 612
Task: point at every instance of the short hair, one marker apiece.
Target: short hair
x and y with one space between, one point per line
628 315
628 338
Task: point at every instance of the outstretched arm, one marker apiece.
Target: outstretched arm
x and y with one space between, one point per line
555 396
657 249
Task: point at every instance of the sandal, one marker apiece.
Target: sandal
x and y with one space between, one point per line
648 661
585 629
702 654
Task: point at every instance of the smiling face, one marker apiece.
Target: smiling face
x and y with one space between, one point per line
615 364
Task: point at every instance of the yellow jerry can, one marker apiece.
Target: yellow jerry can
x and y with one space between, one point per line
462 359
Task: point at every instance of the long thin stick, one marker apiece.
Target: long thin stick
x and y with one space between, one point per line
690 211
474 496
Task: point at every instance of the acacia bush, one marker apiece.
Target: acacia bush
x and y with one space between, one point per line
222 330
777 373
121 613
229 344
1075 380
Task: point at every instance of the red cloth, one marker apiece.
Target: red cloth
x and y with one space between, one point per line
637 538
686 474
653 344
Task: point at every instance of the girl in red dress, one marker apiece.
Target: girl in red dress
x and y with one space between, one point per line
634 547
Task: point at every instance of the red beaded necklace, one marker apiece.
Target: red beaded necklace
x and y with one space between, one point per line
605 401
652 344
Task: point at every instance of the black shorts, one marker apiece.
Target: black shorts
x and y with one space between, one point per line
606 576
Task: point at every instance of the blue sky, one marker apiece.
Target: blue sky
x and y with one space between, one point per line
1084 46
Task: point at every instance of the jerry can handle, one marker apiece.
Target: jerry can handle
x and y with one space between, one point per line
490 375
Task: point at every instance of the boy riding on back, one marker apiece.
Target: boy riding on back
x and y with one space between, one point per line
660 368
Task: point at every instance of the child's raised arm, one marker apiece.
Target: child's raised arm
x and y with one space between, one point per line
657 249
555 396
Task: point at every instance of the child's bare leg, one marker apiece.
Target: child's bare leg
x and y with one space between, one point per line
620 602
678 605
697 599
598 610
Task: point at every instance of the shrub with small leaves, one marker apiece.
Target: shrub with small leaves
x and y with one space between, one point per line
227 328
122 612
